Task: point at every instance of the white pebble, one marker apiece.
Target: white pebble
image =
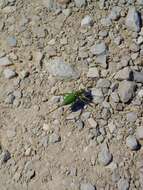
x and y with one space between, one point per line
132 142
86 21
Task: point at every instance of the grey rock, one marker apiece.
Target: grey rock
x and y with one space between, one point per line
10 99
123 184
23 74
102 60
140 94
11 41
93 72
134 47
126 90
97 94
4 61
61 70
79 124
140 40
4 157
125 61
3 3
17 94
99 49
138 76
11 133
67 12
103 83
139 132
101 4
132 116
9 73
87 186
114 97
124 74
80 3
54 138
86 21
132 142
104 157
115 13
44 141
103 33
133 20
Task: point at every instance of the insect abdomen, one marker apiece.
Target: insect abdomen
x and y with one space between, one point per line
69 98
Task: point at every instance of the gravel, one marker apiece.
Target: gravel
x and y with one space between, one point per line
99 49
86 21
126 90
132 142
133 20
104 157
123 184
9 73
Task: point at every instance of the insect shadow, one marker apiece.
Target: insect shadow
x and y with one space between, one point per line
86 99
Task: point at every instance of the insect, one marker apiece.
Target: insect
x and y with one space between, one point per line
72 97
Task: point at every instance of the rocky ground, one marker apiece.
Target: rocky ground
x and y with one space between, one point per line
50 47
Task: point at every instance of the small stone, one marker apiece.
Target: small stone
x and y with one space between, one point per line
101 60
140 93
87 21
114 97
9 73
115 13
126 90
11 41
23 74
46 127
44 141
132 142
11 133
103 83
63 1
93 72
132 116
138 76
133 20
140 2
105 157
92 122
10 99
124 74
28 151
59 69
4 61
17 94
4 157
139 133
79 124
80 3
123 184
99 49
54 138
140 40
112 127
87 186
67 12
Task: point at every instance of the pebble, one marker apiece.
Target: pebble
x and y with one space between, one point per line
103 83
140 93
132 116
106 22
99 49
139 133
132 142
61 70
87 186
11 41
115 13
92 122
9 73
87 21
114 97
67 12
126 90
23 74
138 76
80 3
10 99
4 61
123 184
124 74
104 157
44 141
4 157
79 124
101 60
133 20
93 72
112 127
54 138
63 1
